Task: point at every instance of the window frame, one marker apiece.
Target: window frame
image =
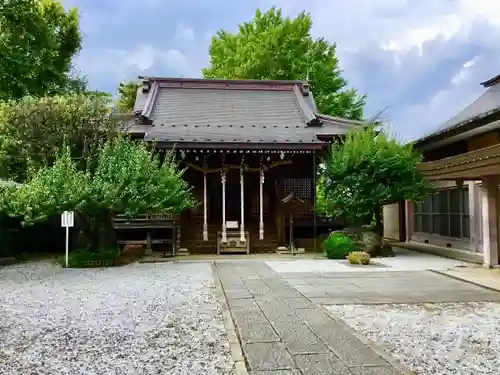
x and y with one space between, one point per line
430 210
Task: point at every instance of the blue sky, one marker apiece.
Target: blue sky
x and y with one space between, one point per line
420 60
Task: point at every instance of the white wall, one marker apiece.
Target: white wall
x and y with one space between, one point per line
391 221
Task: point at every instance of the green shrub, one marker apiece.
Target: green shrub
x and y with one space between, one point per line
358 257
87 259
338 245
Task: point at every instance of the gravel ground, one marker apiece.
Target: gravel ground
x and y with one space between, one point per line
440 339
139 319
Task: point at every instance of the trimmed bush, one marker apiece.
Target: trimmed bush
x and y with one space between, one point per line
87 259
358 257
338 245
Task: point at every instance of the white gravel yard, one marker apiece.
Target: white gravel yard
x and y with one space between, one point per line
139 319
440 339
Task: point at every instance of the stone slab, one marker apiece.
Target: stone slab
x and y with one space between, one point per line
258 287
288 292
321 364
253 327
311 292
301 340
298 338
242 304
277 372
347 347
375 370
237 293
268 357
335 301
299 303
274 307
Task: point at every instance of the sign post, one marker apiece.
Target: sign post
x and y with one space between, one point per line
67 221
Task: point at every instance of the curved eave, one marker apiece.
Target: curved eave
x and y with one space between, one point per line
242 146
332 120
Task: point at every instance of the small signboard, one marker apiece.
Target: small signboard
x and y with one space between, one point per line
231 224
67 219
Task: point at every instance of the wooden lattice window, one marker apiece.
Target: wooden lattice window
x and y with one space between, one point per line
302 187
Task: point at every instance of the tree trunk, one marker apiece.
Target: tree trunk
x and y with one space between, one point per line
379 228
97 232
106 233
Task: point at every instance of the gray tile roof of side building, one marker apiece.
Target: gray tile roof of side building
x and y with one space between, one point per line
226 111
486 104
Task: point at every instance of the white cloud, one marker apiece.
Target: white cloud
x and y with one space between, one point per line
175 60
422 47
466 72
423 59
184 34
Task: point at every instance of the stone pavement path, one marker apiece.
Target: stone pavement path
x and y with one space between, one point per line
284 331
386 287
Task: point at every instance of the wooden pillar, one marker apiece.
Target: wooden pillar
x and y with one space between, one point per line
409 222
261 203
313 193
205 214
223 180
149 243
475 216
178 236
242 203
489 205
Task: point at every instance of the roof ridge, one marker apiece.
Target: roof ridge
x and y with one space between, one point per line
303 106
221 80
150 101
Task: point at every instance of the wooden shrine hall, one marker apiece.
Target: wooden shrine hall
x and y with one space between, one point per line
247 145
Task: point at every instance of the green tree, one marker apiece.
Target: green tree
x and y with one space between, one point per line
129 178
367 170
275 47
127 92
33 131
38 40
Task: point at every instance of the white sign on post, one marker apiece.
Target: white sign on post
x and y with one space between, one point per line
67 221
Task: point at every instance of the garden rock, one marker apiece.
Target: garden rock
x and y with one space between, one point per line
386 250
371 242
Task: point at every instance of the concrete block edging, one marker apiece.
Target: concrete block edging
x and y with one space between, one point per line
232 335
444 273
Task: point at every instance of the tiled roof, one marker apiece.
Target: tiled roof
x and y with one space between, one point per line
486 104
225 111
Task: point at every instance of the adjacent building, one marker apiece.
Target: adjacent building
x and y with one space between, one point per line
462 160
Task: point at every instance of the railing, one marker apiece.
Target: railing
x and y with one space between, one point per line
489 153
144 221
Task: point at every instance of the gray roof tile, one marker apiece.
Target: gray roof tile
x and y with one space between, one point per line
487 103
211 111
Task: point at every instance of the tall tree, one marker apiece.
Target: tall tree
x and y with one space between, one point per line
127 92
367 170
38 40
33 131
275 47
129 178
